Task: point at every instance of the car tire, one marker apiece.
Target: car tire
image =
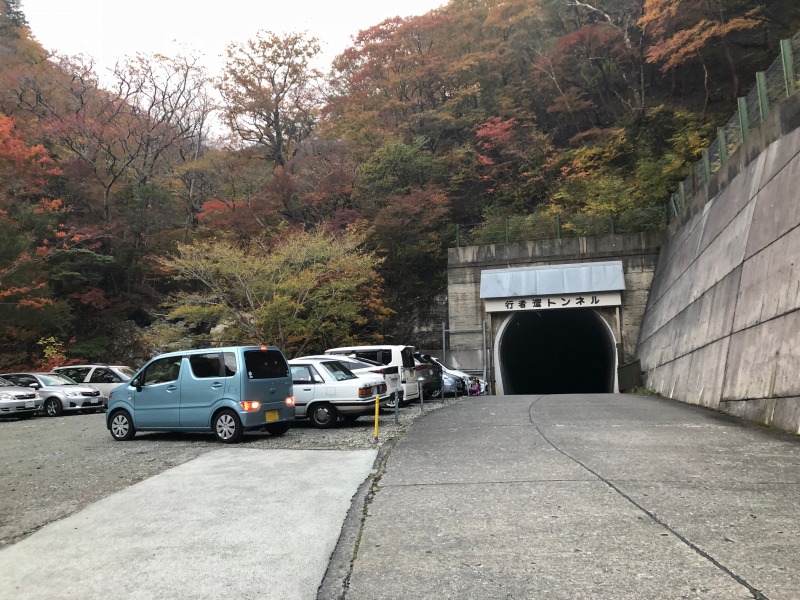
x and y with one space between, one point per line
323 415
53 407
121 426
277 429
228 427
437 393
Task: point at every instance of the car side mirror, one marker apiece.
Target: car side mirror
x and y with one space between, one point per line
35 386
137 384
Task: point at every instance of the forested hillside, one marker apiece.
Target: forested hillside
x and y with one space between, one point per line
271 202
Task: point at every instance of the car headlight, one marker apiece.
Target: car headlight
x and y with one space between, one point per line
6 397
73 394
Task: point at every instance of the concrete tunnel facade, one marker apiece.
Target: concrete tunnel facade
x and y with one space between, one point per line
553 327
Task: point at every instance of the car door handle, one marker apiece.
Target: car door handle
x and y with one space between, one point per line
172 388
216 385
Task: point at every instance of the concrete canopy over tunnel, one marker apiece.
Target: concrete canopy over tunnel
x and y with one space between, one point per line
553 336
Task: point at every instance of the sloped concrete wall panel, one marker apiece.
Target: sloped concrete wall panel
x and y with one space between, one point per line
731 201
721 257
676 256
723 317
764 361
779 154
770 282
707 375
777 210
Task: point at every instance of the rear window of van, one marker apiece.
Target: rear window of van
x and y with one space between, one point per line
265 364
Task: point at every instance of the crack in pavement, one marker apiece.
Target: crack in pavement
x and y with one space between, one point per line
756 593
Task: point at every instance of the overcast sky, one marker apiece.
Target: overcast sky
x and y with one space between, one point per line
110 29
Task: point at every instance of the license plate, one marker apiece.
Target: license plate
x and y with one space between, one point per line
30 404
271 415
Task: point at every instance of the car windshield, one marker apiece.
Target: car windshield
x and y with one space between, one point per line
54 379
125 372
5 383
338 371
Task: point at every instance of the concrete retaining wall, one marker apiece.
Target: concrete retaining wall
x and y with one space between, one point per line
722 321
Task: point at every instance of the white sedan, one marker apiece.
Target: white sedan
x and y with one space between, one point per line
325 390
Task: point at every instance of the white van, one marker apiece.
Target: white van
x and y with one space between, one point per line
401 357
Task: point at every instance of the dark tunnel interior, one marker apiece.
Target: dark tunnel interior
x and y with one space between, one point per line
557 352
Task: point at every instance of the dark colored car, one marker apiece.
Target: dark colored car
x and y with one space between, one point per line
461 378
429 376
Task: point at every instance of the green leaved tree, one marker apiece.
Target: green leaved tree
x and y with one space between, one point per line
307 291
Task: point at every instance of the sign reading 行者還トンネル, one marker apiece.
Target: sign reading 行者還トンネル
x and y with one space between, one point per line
587 300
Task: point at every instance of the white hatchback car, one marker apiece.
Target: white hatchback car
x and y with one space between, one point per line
325 390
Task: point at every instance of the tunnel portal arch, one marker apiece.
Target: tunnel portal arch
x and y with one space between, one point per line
554 337
555 352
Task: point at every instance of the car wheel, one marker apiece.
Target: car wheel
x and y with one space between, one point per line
53 407
323 415
122 428
435 393
278 429
228 427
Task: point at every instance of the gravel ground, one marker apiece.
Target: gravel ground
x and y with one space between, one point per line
53 467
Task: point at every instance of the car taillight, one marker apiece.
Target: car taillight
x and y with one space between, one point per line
365 392
420 367
382 388
250 405
289 400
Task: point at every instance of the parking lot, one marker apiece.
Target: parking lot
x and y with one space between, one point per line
54 467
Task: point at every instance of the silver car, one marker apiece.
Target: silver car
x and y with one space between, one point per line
18 402
60 393
103 377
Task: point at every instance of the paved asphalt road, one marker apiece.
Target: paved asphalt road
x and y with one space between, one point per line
606 497
581 497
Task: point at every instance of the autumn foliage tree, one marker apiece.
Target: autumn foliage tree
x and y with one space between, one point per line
269 90
695 31
476 113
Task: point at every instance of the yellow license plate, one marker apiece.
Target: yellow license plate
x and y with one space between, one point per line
272 415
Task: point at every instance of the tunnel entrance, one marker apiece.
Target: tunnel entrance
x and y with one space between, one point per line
556 352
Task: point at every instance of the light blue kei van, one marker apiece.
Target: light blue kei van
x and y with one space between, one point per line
222 390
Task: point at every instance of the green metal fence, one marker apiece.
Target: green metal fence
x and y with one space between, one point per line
773 86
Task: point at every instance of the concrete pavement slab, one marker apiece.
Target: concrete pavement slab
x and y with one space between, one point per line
234 523
601 497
